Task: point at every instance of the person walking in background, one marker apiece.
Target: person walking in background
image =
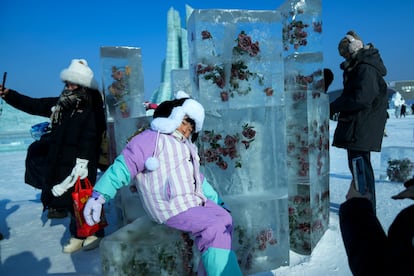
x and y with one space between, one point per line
398 101
403 110
71 147
370 251
362 106
165 164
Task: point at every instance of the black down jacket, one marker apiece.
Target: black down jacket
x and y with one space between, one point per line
362 106
78 136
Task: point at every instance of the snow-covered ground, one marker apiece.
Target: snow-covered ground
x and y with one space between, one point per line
32 244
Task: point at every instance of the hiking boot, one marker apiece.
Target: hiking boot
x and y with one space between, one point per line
56 213
73 245
91 242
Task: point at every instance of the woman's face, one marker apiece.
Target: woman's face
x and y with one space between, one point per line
70 85
186 128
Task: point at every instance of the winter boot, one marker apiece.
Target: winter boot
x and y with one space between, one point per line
73 245
56 213
91 242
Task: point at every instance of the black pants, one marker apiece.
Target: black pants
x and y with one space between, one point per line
369 172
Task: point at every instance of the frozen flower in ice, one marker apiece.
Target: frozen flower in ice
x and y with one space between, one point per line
317 27
213 73
224 96
206 35
215 149
245 45
294 33
268 91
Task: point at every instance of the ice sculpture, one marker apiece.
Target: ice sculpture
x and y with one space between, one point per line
145 248
264 145
237 73
307 124
123 84
180 80
176 57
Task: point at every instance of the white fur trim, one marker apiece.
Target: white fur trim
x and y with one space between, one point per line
195 111
79 72
190 107
165 125
181 94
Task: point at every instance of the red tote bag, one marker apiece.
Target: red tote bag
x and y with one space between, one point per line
81 194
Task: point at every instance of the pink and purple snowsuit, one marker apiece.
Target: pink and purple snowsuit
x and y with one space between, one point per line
176 194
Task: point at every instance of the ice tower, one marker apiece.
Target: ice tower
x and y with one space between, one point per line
176 60
237 71
307 124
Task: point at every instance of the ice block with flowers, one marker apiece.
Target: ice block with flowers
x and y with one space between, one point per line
237 73
307 124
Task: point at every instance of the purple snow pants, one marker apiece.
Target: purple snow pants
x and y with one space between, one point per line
210 225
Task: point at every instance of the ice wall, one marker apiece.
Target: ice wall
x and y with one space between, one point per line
236 70
307 124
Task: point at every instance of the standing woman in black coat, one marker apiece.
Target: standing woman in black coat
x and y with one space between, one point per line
71 148
362 106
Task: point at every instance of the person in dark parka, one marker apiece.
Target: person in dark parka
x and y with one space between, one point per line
71 148
369 249
362 106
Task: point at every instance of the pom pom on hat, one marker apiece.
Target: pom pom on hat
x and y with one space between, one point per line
79 73
152 164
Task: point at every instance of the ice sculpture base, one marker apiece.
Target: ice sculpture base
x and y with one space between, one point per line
146 248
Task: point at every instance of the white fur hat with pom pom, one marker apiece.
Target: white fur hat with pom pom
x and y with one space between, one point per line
189 107
176 110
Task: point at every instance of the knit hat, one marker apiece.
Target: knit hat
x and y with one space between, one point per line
408 192
79 73
169 114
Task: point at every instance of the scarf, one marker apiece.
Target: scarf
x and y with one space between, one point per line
69 100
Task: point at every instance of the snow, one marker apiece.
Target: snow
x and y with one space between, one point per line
32 244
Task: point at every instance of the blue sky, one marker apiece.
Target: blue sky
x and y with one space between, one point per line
39 38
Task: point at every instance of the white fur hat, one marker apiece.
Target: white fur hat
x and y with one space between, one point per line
190 107
79 73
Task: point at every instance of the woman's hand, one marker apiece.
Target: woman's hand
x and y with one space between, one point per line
3 91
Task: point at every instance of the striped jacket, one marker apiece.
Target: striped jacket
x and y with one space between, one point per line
171 189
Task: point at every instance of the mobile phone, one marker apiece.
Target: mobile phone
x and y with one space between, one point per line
4 81
359 175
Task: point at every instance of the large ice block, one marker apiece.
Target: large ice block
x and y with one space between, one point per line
307 135
242 153
235 58
123 81
180 80
237 73
145 248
